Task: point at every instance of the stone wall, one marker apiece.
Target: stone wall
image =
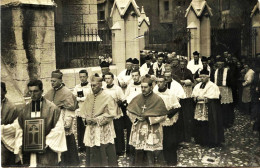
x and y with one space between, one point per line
28 45
71 76
76 13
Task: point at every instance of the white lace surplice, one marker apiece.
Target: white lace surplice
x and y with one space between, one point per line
210 91
171 102
96 135
226 95
144 136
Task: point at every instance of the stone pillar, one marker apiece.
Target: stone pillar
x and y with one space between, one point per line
255 16
144 24
131 34
118 41
28 44
125 41
198 21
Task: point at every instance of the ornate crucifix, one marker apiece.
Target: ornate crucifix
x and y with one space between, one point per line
33 131
144 107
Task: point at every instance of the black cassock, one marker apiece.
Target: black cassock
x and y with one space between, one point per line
187 107
211 132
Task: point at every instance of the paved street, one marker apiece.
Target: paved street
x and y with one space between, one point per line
241 148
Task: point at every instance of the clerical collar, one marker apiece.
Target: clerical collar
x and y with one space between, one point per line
169 84
162 90
148 94
36 108
110 86
84 84
196 62
128 72
58 88
203 84
137 83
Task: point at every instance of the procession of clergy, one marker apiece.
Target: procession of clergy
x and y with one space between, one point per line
166 101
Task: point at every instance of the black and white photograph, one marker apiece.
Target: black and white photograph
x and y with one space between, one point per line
130 83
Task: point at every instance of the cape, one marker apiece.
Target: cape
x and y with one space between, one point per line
62 98
154 104
101 104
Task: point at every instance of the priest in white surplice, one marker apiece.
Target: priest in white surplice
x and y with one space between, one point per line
125 76
195 64
170 126
117 94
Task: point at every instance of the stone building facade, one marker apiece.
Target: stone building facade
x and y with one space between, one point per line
255 17
27 44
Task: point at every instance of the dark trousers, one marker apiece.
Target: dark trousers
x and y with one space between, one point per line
147 158
70 157
228 115
119 140
128 127
104 155
80 133
170 144
246 108
186 117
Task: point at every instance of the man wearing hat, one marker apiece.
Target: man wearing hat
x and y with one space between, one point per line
146 111
224 80
208 117
170 126
135 64
206 68
105 69
195 63
98 112
147 67
125 76
158 66
62 97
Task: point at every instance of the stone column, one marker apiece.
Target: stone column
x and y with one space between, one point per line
131 34
198 21
144 24
255 16
28 48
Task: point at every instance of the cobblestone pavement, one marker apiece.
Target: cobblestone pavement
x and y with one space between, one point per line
241 148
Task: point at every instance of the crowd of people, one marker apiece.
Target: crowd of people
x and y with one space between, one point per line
161 103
